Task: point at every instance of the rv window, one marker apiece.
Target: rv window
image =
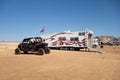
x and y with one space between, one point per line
62 38
81 34
74 39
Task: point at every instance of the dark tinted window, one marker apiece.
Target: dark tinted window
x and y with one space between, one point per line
81 34
74 39
62 38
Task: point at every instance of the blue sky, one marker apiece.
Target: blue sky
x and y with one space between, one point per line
25 18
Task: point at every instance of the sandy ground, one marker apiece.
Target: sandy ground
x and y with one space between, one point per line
59 65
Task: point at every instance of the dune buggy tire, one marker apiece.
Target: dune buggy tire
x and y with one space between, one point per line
17 51
41 51
47 50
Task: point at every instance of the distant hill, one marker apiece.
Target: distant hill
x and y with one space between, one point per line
106 39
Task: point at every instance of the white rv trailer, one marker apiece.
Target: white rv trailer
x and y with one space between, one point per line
69 40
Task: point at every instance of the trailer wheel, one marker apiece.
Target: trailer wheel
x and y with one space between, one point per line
17 51
71 49
26 52
76 49
58 48
47 50
41 51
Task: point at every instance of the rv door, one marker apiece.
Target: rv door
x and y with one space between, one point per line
89 40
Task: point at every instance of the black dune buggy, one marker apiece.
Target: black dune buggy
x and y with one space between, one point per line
33 44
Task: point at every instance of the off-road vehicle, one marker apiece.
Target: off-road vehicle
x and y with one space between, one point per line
33 44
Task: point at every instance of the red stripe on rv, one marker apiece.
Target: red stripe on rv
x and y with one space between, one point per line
60 33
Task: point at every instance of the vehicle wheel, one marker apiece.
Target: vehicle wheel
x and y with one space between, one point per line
77 49
47 50
26 52
41 51
71 49
17 51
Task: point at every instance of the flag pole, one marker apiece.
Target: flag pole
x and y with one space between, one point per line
42 30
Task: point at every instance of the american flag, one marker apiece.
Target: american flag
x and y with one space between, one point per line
43 29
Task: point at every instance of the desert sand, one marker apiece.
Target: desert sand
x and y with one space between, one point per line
59 64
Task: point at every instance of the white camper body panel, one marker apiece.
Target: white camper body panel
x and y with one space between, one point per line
67 39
